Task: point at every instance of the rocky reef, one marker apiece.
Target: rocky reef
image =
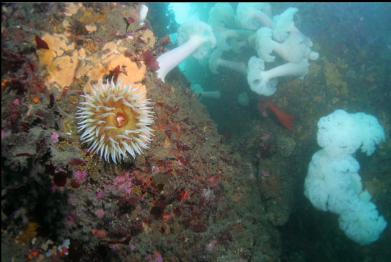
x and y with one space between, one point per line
182 200
194 195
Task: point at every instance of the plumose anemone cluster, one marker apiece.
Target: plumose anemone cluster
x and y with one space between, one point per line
115 121
333 182
251 25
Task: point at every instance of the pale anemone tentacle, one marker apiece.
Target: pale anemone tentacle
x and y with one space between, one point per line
114 121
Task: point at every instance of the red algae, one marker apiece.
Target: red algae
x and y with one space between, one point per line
150 61
165 41
41 44
60 179
183 196
99 233
77 162
113 74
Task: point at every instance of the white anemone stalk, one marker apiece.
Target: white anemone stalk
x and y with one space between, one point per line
215 61
195 38
143 14
174 57
199 90
264 82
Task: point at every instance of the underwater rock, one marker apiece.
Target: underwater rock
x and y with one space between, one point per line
189 197
285 145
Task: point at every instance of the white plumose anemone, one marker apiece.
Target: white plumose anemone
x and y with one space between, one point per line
115 121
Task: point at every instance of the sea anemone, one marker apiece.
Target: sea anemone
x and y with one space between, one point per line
294 49
215 61
264 82
254 15
333 182
114 120
222 21
284 24
199 90
195 38
143 14
221 15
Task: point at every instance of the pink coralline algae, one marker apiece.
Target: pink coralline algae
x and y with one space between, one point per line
54 137
80 176
16 102
100 195
156 257
124 184
100 213
5 133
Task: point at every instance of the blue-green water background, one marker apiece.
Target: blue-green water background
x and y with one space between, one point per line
342 30
339 31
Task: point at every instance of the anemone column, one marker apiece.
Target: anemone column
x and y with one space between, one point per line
174 57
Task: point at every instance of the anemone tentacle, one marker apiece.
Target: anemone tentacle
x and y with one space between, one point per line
114 121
